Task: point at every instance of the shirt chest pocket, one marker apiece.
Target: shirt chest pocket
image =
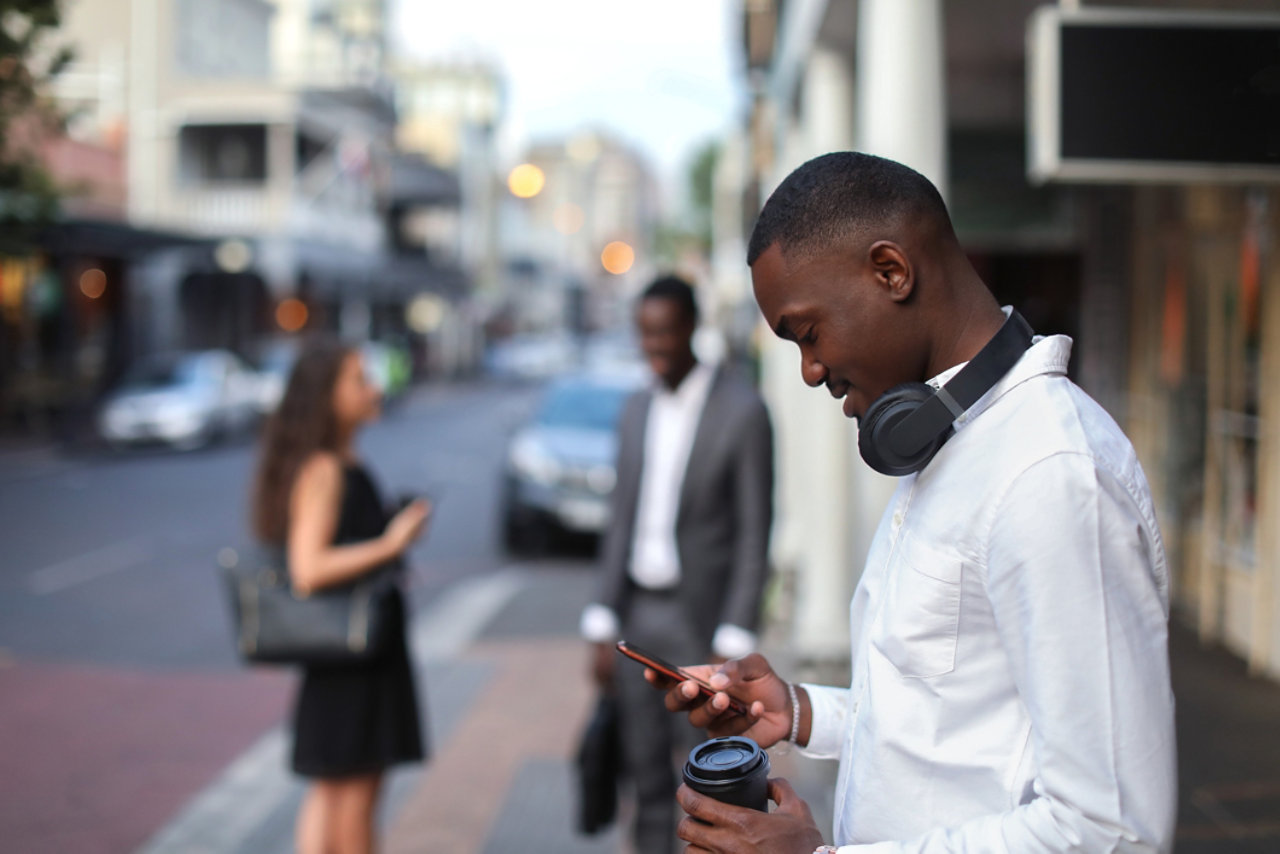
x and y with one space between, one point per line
920 621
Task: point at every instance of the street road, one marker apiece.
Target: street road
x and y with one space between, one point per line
120 693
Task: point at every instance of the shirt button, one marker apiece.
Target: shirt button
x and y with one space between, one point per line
897 519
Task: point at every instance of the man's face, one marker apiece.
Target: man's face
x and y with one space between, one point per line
854 337
666 338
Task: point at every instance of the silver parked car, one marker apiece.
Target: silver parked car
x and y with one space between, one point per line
183 399
560 464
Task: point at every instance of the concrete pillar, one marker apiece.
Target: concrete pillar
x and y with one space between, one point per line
901 114
813 436
902 105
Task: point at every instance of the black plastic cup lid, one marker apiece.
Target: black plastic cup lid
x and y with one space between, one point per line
725 758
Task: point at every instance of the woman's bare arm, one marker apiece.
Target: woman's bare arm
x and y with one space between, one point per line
316 500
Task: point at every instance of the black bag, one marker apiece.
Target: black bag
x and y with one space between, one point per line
599 767
274 624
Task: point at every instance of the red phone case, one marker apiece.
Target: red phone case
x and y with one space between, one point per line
669 670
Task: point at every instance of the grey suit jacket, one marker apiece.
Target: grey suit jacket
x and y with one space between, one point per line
724 515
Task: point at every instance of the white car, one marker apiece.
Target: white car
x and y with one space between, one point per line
184 400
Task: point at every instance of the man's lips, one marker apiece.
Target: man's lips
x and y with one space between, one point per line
841 390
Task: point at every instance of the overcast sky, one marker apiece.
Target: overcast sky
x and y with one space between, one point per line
660 73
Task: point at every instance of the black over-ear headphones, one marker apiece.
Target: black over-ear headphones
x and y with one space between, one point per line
908 424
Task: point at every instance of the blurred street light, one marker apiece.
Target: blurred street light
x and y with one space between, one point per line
291 314
233 256
618 257
425 314
93 283
526 181
568 218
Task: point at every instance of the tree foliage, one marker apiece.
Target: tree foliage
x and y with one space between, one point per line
28 194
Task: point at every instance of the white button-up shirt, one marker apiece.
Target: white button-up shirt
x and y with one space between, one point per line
1010 684
670 429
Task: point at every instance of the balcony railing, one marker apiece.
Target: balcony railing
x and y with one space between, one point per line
258 210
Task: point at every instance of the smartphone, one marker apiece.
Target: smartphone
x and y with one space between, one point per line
670 671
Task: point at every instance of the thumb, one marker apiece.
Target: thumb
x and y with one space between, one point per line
783 794
747 669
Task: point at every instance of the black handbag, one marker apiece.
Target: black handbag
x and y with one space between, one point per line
274 624
599 767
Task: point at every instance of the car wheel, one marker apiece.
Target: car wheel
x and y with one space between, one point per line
523 533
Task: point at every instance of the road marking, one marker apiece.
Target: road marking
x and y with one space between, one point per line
227 812
91 565
451 623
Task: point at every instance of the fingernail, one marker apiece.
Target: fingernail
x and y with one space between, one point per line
689 690
719 680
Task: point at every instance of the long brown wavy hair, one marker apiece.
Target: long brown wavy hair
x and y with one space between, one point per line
302 425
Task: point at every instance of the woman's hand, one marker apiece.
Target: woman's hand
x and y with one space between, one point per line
407 525
751 680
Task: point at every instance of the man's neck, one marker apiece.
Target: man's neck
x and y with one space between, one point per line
673 383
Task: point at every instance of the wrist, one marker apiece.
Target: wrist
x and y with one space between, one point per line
805 728
391 548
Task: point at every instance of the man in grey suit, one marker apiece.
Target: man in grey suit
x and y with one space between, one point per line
686 556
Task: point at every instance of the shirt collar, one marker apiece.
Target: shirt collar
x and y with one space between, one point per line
1047 355
696 383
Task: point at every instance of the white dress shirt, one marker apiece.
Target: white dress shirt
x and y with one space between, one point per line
670 428
1010 683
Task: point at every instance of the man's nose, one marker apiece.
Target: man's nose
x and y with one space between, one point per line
813 372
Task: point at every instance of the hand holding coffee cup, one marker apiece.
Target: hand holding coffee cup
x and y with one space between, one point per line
733 770
726 794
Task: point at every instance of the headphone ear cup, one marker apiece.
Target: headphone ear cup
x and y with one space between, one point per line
875 431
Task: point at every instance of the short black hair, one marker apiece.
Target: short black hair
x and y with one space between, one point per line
833 195
678 291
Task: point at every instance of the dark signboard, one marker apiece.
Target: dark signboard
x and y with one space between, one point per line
1126 96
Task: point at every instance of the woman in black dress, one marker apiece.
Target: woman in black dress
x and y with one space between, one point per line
312 496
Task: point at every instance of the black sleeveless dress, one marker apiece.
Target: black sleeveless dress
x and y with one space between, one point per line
359 719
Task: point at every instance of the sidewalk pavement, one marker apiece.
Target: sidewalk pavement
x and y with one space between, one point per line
503 679
506 693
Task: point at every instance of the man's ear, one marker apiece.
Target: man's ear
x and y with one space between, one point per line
892 269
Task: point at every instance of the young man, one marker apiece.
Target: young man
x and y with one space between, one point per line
1010 682
684 562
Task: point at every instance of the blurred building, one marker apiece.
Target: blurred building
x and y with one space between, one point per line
583 241
1172 293
449 114
223 158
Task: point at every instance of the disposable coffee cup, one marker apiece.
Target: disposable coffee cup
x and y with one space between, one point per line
732 769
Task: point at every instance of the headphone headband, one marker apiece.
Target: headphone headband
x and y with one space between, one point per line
975 379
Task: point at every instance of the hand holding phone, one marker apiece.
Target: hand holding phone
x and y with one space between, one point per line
676 674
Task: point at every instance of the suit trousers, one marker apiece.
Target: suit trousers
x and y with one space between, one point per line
655 741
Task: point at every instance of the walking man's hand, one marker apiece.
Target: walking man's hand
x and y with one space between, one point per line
718 828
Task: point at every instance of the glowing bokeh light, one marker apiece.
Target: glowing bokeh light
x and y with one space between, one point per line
618 257
291 314
526 181
93 283
568 218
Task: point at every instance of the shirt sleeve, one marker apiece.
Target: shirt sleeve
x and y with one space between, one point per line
599 624
830 712
1081 609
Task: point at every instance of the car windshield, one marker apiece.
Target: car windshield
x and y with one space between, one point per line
586 407
164 373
